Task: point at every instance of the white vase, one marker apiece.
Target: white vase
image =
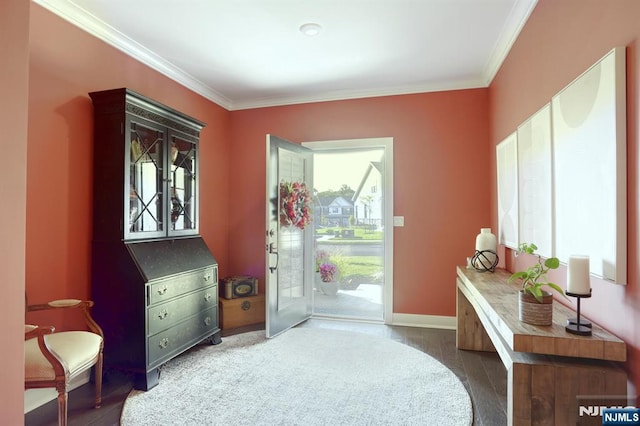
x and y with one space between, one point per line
487 243
329 288
486 240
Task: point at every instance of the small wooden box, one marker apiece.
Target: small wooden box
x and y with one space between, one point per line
242 311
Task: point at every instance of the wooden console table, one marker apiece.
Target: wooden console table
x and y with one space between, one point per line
547 368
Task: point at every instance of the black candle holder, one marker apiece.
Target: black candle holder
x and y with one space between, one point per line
483 263
578 325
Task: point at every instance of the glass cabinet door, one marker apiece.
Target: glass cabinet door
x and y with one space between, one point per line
182 184
144 204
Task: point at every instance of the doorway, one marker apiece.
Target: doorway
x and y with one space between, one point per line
353 224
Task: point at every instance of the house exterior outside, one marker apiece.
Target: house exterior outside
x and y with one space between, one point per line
332 211
367 200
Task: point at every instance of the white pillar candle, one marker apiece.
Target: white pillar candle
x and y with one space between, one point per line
578 275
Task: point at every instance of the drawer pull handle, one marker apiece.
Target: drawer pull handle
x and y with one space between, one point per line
207 277
162 290
164 343
207 297
207 321
246 305
163 314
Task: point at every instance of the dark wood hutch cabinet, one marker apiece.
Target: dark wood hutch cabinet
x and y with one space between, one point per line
154 280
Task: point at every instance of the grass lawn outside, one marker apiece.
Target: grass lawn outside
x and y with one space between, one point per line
359 234
360 268
362 265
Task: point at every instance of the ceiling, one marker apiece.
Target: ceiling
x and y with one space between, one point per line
250 53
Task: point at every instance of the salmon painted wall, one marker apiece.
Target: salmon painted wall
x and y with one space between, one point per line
440 159
66 64
561 40
14 85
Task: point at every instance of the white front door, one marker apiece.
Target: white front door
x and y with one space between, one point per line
289 242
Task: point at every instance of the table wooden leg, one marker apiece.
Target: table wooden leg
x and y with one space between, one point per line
470 333
546 393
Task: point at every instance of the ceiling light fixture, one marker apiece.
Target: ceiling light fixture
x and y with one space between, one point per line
310 29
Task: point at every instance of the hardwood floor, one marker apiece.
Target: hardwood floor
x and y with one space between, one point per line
115 388
481 373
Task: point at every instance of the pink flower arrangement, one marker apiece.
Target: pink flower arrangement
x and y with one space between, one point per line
294 204
327 272
321 257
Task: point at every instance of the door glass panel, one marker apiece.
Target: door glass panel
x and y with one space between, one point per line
291 288
145 179
183 184
291 278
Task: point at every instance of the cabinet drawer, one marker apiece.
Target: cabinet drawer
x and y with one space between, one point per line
175 286
183 335
163 316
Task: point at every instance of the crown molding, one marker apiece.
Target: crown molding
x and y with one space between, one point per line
77 16
518 17
358 94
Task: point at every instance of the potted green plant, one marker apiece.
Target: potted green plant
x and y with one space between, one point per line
535 305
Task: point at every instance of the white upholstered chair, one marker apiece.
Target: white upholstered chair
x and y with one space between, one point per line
53 359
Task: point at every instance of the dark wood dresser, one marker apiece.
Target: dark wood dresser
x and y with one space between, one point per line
154 279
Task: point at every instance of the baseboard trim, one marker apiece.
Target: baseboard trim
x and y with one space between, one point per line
425 321
34 398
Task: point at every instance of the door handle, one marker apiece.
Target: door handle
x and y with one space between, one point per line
272 249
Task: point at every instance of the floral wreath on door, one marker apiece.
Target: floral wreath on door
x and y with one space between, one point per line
294 204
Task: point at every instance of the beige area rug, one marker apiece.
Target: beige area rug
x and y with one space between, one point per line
305 376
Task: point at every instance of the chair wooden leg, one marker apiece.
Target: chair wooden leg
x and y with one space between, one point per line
98 401
62 408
